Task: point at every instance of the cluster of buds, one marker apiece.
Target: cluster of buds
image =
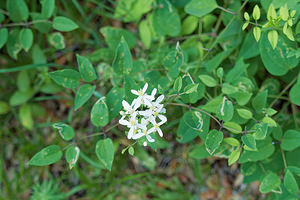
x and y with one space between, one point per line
144 115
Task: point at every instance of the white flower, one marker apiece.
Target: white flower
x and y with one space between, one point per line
143 98
156 126
146 110
144 132
129 109
132 124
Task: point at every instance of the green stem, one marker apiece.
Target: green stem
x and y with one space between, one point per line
211 116
224 30
26 23
228 11
283 91
283 158
30 66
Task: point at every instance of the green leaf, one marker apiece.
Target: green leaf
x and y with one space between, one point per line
114 101
265 149
166 20
249 141
57 40
256 13
105 152
291 140
260 100
289 33
295 94
220 72
26 38
48 7
261 131
208 80
273 38
131 151
245 25
256 33
13 45
132 10
232 141
72 155
122 63
38 55
269 121
244 113
64 24
276 61
4 108
20 97
83 94
284 12
233 127
86 69
246 16
189 25
26 117
235 73
178 84
17 10
3 36
145 33
173 60
271 13
270 182
46 156
191 88
234 156
225 111
65 131
290 183
113 36
23 81
43 26
213 141
67 78
194 120
99 113
200 8
199 152
189 127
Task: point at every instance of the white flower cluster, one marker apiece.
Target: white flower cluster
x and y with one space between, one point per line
142 114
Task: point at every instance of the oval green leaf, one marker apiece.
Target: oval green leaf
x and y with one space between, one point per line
46 156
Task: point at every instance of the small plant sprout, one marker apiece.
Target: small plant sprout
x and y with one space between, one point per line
144 115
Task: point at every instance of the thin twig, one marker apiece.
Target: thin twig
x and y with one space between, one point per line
228 11
283 91
211 116
26 23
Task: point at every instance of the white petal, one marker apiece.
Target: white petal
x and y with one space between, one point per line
151 130
137 136
130 133
162 118
126 105
146 113
124 122
133 102
145 88
134 92
153 92
137 103
160 98
149 138
159 132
